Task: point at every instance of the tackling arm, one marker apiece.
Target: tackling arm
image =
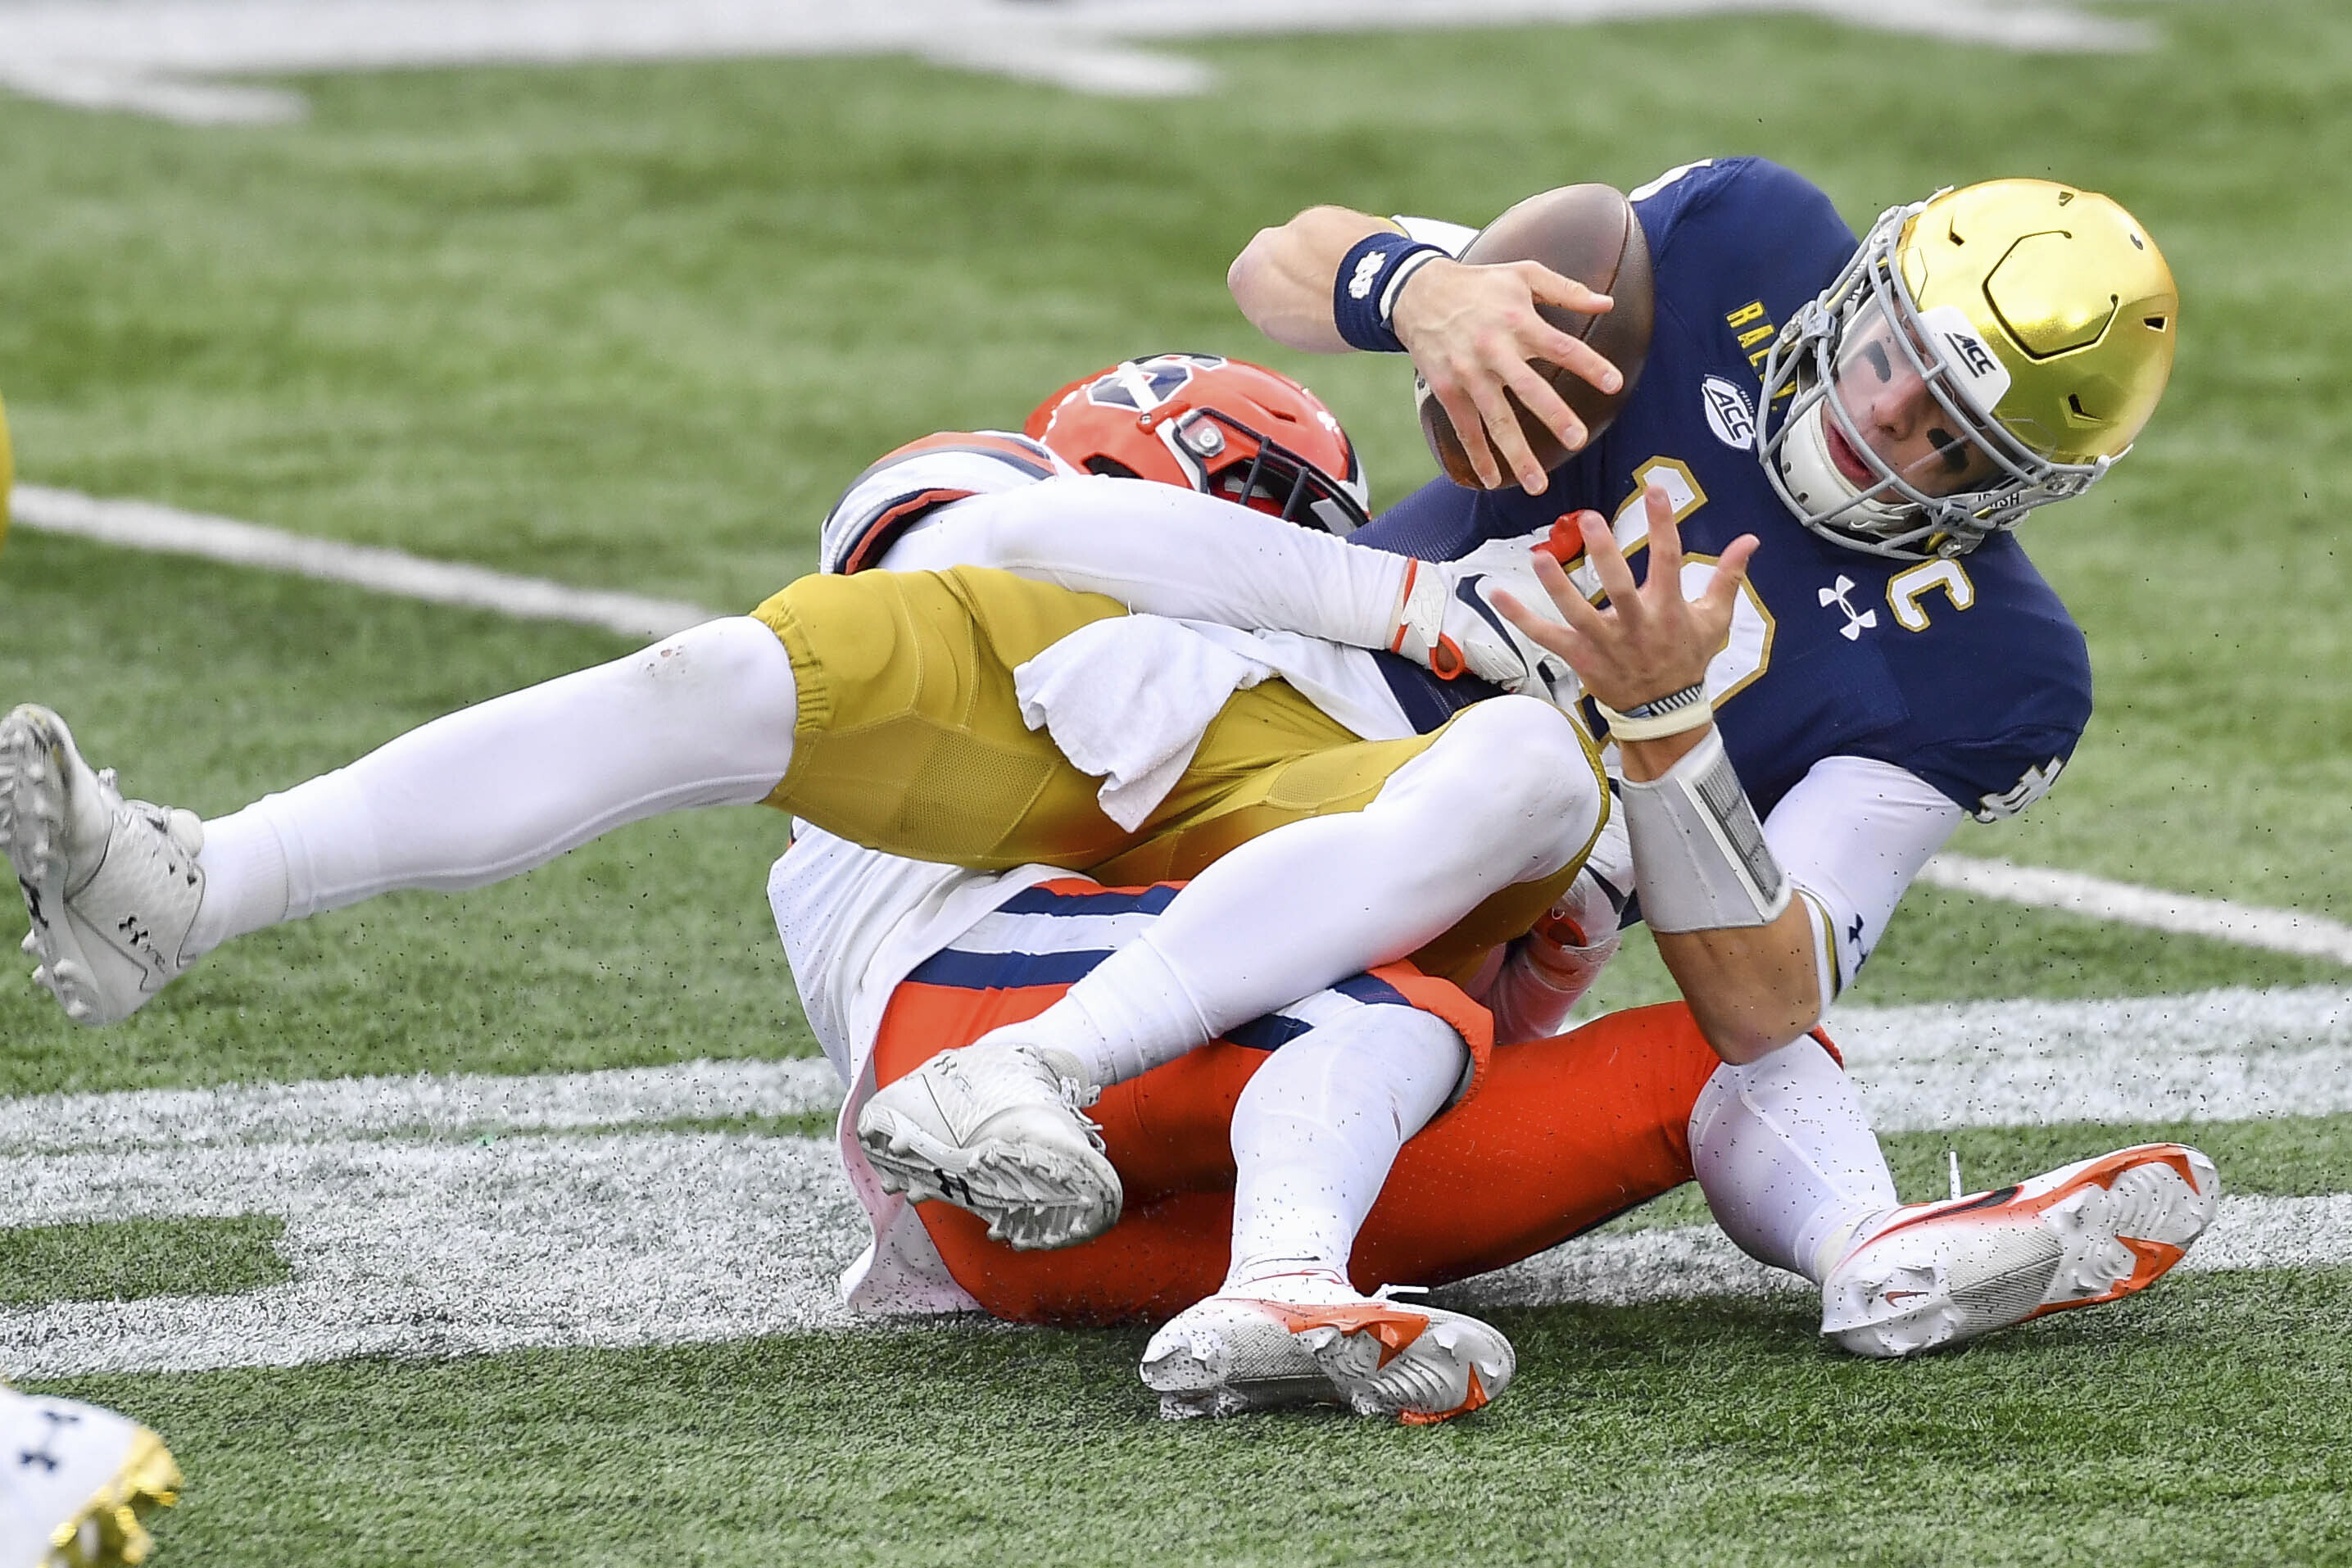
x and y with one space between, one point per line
1163 550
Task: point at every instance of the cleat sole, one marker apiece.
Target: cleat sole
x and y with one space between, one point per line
2081 1235
1372 1358
1033 1199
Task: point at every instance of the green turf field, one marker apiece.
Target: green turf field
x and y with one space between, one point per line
634 327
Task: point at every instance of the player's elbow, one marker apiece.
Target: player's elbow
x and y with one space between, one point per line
1282 278
1243 277
1256 276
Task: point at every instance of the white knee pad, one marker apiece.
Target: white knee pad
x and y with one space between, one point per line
1512 780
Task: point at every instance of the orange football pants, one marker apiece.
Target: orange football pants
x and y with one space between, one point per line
1555 1137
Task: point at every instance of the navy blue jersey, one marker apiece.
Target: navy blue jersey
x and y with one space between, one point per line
1968 672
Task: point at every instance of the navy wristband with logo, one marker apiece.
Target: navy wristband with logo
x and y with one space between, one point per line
1364 291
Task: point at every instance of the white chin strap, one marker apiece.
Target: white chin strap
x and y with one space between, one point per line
1816 482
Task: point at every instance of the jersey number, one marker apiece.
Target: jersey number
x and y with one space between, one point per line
1748 652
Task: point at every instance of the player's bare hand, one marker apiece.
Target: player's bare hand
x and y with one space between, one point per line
1471 332
1649 641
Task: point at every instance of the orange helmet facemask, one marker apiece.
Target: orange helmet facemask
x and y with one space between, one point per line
1223 427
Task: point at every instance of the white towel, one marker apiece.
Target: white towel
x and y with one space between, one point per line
1127 699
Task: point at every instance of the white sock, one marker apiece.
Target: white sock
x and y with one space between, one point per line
704 717
1786 1158
1504 795
1106 1020
1319 1127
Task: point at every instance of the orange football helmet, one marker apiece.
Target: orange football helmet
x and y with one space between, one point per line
1223 427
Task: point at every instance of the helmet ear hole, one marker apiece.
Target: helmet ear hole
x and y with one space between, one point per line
1206 424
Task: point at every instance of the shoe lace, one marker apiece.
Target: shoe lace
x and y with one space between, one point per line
1079 1095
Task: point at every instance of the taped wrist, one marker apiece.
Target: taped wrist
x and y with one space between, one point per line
1700 862
1364 290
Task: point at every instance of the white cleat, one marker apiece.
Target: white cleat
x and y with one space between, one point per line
1932 1275
997 1128
79 1480
111 885
1233 1354
1446 621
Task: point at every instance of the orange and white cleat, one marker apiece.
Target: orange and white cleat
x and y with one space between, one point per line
1931 1275
1322 1343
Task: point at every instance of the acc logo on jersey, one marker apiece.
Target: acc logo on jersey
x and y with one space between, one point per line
1727 413
1144 385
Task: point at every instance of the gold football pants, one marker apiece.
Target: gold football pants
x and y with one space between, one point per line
910 740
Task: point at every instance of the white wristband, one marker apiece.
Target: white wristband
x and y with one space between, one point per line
1655 721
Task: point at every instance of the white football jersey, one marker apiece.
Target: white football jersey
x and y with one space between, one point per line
855 923
908 484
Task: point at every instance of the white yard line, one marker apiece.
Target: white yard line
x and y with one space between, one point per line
2210 1055
155 57
146 525
444 1249
413 1229
2076 892
422 1107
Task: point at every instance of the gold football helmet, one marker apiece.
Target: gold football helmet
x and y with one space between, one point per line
2041 318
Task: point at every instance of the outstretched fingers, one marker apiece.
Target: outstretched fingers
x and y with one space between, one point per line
1722 592
1608 562
1666 541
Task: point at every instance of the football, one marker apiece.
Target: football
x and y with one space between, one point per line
1587 233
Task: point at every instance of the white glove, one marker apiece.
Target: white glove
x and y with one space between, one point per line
1546 971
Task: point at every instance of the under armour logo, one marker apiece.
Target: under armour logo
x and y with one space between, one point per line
1856 621
132 931
1853 932
41 1456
